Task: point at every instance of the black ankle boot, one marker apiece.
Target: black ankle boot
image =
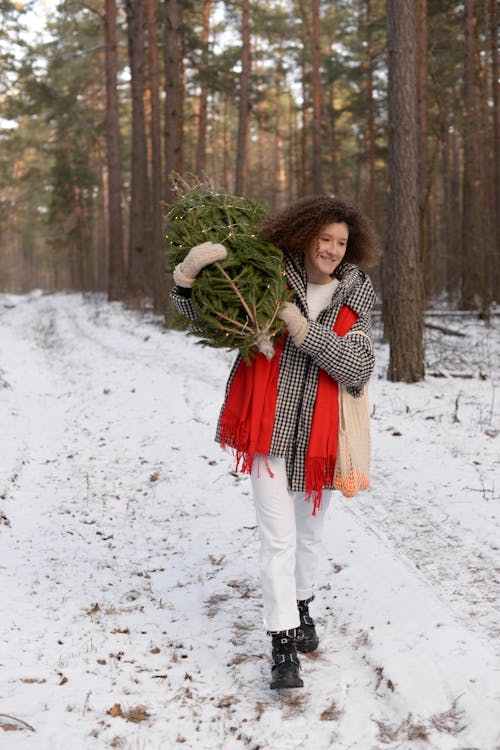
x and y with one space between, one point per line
286 664
306 639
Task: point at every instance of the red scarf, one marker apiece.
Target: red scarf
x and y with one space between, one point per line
247 420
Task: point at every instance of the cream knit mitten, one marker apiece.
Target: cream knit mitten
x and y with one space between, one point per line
198 257
295 322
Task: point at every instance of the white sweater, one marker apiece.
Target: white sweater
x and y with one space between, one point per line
319 296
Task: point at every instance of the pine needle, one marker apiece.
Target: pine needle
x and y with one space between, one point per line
237 300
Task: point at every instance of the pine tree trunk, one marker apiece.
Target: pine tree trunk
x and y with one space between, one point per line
279 184
101 232
332 140
370 120
278 165
316 97
303 181
402 264
228 165
240 185
495 84
157 280
327 118
423 160
292 160
455 250
139 188
116 272
201 145
174 100
487 173
305 38
472 182
446 236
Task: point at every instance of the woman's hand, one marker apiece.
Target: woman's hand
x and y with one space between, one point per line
295 322
197 258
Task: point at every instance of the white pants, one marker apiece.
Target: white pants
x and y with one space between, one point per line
290 538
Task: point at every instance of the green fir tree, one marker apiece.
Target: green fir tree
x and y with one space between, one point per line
236 300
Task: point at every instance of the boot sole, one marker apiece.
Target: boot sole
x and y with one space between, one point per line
306 648
295 682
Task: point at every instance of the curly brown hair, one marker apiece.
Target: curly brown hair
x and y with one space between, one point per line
295 227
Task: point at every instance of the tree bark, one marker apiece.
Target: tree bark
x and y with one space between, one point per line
370 120
472 180
157 280
423 159
487 172
174 99
316 97
139 187
201 145
402 264
279 171
495 84
303 181
244 103
455 251
116 260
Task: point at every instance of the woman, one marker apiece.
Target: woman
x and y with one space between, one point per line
281 416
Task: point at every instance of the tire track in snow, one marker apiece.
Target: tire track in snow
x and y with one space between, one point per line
464 576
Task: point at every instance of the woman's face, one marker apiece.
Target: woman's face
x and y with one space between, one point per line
324 253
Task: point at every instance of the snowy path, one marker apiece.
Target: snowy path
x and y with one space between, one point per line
131 612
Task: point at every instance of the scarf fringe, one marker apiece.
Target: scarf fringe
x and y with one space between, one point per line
320 473
232 441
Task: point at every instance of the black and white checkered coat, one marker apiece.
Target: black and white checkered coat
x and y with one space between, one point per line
349 360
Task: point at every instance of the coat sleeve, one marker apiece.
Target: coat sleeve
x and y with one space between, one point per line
181 297
348 359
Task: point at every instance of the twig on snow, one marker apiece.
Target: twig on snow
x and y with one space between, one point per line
24 724
446 331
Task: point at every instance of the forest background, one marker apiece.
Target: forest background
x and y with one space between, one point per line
391 104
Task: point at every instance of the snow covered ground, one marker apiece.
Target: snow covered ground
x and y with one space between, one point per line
130 605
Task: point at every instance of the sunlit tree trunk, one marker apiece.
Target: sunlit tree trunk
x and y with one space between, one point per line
402 264
331 138
303 181
278 186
